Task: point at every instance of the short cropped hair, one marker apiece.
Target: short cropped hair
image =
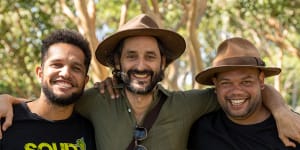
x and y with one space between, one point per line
69 37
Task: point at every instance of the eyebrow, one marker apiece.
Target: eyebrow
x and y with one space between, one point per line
74 62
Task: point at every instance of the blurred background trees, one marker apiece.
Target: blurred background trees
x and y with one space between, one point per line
274 26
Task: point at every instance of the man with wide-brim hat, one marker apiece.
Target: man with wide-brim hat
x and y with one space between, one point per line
232 54
138 53
142 25
238 74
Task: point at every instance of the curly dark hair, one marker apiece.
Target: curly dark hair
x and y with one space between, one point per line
69 37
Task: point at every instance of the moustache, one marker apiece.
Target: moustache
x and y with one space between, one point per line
134 71
123 74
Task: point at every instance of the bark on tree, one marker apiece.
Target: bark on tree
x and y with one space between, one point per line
85 21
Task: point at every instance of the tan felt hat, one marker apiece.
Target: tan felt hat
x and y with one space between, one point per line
235 53
141 25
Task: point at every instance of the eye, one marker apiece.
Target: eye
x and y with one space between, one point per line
247 82
150 57
77 68
56 65
131 56
225 83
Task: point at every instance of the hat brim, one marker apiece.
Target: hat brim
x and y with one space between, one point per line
205 76
173 42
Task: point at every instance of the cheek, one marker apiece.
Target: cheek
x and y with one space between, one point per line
124 66
220 90
81 79
220 94
156 67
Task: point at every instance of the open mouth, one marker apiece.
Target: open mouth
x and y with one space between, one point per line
137 75
62 84
237 102
140 75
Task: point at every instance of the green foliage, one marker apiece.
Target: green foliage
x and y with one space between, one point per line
253 20
23 23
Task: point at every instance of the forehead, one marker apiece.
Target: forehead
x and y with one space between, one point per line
238 73
64 52
140 44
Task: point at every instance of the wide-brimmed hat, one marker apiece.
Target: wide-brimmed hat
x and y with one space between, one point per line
232 54
141 25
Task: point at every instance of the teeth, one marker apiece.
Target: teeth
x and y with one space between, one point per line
141 75
64 84
237 101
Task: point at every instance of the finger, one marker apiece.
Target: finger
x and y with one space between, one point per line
287 142
290 143
297 138
96 85
102 87
110 90
8 120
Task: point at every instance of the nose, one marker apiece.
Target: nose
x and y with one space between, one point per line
65 72
141 64
236 89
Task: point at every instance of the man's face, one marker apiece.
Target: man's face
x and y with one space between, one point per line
141 64
63 74
239 93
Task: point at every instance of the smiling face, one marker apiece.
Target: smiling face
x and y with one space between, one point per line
63 74
141 64
239 93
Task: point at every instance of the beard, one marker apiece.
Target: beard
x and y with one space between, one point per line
155 78
59 100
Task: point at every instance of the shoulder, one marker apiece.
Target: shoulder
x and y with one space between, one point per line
91 96
20 107
80 119
91 92
21 111
209 119
195 93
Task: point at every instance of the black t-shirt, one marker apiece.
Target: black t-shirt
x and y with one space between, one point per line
31 132
216 132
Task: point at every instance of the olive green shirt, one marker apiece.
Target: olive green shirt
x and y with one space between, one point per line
114 121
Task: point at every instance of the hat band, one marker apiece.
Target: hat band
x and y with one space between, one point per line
248 61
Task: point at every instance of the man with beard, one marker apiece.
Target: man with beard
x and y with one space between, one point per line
138 53
50 122
245 123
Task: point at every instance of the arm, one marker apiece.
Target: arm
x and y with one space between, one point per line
288 122
6 111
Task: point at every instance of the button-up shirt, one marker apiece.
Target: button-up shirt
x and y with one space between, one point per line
114 120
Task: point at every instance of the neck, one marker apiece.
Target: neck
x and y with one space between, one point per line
139 103
261 114
49 111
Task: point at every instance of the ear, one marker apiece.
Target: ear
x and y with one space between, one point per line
117 62
214 80
39 73
86 79
261 78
